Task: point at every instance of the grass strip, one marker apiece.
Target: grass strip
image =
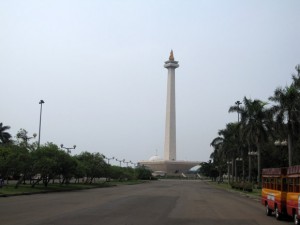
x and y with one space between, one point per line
26 189
256 193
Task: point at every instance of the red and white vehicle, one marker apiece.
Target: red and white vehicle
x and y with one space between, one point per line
293 193
281 191
273 195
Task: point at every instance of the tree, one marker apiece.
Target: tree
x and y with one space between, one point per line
5 166
93 164
20 161
255 124
4 135
66 165
22 134
79 169
296 78
218 156
287 111
143 173
46 162
206 168
124 173
225 147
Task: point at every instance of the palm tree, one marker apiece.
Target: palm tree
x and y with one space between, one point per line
255 122
225 145
218 154
296 78
287 111
4 135
236 108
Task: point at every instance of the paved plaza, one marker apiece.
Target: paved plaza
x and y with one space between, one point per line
162 202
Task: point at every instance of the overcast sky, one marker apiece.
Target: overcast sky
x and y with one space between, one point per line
98 65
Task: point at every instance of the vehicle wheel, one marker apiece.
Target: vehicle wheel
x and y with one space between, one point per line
277 214
268 210
296 221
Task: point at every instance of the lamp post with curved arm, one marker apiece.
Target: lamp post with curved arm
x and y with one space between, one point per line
109 159
39 141
126 162
68 148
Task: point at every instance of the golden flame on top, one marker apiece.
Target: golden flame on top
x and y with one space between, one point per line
171 57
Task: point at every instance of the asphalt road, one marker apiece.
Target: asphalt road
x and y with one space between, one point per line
165 202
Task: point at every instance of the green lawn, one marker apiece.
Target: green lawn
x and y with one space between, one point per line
9 189
255 192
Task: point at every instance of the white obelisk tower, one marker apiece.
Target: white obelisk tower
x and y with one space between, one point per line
170 132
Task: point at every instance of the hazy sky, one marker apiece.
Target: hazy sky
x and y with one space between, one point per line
98 65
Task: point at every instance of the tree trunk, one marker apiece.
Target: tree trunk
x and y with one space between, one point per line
235 170
92 178
19 181
37 181
232 169
249 172
290 149
258 164
249 156
228 172
243 164
46 181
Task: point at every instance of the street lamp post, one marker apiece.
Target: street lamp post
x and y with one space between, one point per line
109 159
238 103
126 162
250 154
228 171
68 148
41 103
120 161
282 144
236 160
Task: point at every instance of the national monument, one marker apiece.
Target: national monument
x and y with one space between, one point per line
169 165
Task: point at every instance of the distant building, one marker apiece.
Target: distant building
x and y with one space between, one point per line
161 166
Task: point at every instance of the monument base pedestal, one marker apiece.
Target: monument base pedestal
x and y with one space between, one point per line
169 167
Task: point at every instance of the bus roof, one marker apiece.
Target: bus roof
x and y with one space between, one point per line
274 171
293 170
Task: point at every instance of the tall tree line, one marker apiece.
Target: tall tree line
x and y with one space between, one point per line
266 135
28 163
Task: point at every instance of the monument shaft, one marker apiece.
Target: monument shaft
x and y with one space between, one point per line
169 165
170 130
